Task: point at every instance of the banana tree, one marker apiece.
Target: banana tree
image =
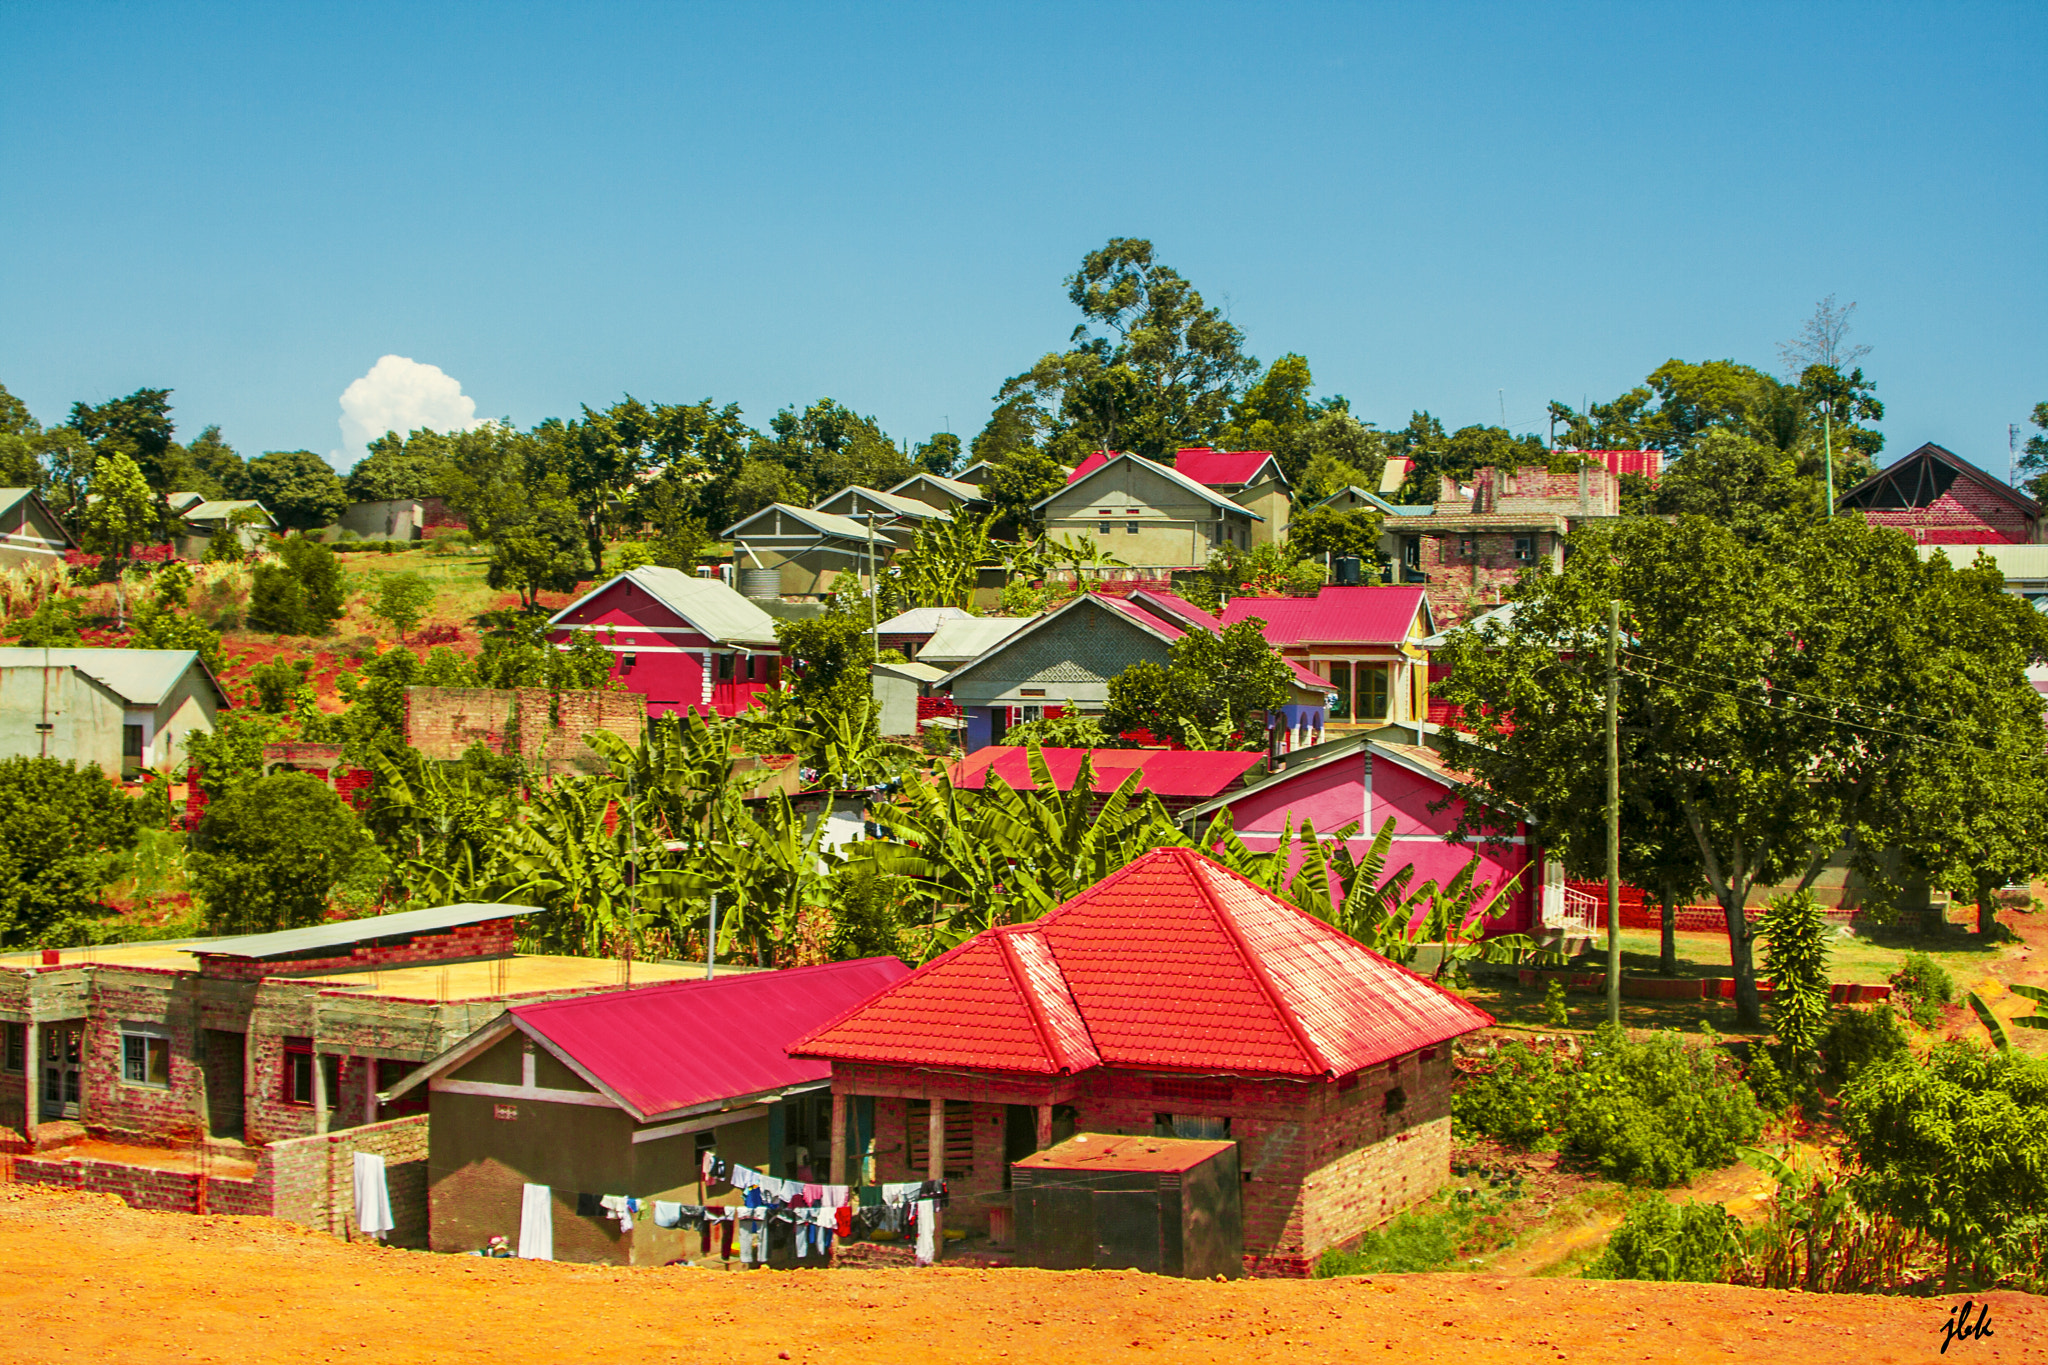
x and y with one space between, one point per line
577 859
766 869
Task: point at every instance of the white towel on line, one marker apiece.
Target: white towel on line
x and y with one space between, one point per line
537 1224
373 1195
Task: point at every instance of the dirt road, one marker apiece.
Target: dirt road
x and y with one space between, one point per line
87 1279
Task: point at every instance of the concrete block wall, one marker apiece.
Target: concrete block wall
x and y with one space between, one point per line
124 1110
312 1179
465 942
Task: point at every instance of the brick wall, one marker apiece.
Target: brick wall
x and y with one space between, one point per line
312 1179
1967 514
1462 585
125 1110
536 725
465 942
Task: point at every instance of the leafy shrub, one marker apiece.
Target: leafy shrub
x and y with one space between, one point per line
1926 986
268 855
1519 1098
1857 1038
58 820
1411 1243
1660 1240
1795 951
1766 1081
1657 1112
1555 1013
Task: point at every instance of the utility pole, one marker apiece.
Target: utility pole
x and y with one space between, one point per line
1827 426
1614 812
711 944
874 588
2012 453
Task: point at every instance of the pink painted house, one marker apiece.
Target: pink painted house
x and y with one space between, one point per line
684 643
1360 781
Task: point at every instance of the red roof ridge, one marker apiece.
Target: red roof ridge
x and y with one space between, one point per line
1281 1005
1027 986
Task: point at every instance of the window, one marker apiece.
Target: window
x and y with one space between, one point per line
1103 527
1525 548
1468 547
1130 526
1340 683
1411 552
1396 1100
1372 692
959 1137
298 1072
627 660
1203 1127
131 741
725 667
390 1073
145 1055
17 1047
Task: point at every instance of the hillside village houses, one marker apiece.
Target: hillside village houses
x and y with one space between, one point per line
122 710
30 533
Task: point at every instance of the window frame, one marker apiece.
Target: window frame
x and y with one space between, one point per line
1525 549
144 1035
14 1050
296 1049
1383 692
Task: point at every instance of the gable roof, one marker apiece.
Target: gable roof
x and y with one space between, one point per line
222 510
645 1048
922 620
1175 608
1175 773
901 506
824 523
1171 964
712 608
10 498
1085 473
346 933
1212 467
966 492
971 638
140 677
1374 500
1374 614
1115 606
1923 475
916 672
1418 759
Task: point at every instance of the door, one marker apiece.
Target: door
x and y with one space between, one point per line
226 1074
63 1048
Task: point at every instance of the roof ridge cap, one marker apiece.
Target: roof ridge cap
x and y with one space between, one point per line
1021 978
1251 959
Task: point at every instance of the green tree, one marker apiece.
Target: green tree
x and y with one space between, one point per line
828 446
222 472
1835 406
1434 457
1777 696
939 455
1022 479
402 600
268 855
1326 531
829 657
122 511
2034 457
539 549
20 444
1275 414
1213 683
1747 485
1163 371
298 488
399 467
139 427
1660 1240
161 627
1015 425
58 822
301 593
1795 939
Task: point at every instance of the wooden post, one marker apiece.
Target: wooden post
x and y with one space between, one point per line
839 1139
369 1090
935 1142
1044 1126
33 1084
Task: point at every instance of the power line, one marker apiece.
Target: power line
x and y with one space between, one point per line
1809 715
1786 691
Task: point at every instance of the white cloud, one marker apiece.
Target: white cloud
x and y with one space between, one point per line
403 395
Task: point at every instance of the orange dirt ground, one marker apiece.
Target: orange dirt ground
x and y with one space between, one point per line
86 1278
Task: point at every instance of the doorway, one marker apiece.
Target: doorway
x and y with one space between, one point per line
226 1062
63 1051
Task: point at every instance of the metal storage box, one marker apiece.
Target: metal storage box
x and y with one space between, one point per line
1108 1202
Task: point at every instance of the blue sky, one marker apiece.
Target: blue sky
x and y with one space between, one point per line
1453 207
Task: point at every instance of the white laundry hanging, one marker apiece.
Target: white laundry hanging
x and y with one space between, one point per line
373 1195
537 1224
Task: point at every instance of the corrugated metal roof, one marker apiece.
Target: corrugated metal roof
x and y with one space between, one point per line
966 492
2014 561
707 604
922 620
923 673
1122 1152
1378 614
902 506
141 677
1177 608
663 1048
825 523
1177 773
290 942
1123 606
956 642
1173 964
221 511
1206 466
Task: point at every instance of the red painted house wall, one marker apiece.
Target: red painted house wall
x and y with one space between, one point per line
1333 796
670 657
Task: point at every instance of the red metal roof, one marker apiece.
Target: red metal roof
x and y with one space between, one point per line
1172 773
1648 463
1088 466
1212 467
1125 607
1379 614
1173 963
667 1047
1180 611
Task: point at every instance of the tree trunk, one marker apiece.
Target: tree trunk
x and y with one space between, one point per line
1749 1011
1667 949
596 538
1987 908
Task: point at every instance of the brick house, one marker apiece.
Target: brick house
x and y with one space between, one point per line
1471 549
207 1055
682 642
1939 498
618 1094
1171 998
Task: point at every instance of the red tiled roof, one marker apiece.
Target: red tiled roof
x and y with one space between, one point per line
1171 964
1172 773
1379 614
1212 467
648 1046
